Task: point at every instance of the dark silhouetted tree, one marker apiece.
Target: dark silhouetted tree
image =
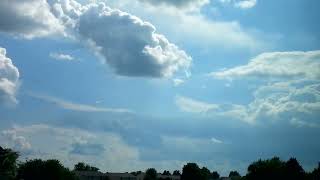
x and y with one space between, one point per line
191 171
38 169
135 173
234 175
266 169
8 163
176 173
166 173
205 173
81 166
151 174
315 174
215 175
293 170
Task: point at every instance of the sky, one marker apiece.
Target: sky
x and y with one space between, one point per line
126 85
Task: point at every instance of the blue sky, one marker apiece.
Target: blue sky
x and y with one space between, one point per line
130 84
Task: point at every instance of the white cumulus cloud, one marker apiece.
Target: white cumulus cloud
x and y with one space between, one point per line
290 88
9 78
130 45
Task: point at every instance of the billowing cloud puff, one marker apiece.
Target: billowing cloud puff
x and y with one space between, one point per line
129 45
9 77
28 18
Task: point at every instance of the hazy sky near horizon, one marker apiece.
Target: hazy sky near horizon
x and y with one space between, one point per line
129 84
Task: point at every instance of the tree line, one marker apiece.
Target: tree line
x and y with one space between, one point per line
37 169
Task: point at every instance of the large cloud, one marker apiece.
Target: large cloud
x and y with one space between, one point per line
9 78
290 88
28 18
129 45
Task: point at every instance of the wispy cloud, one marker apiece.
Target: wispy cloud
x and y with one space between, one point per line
76 106
216 141
194 106
243 4
60 56
178 82
246 4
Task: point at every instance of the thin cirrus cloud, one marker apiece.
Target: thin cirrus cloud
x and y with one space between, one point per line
178 82
184 4
243 4
217 141
9 78
186 104
246 4
61 56
289 65
76 106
